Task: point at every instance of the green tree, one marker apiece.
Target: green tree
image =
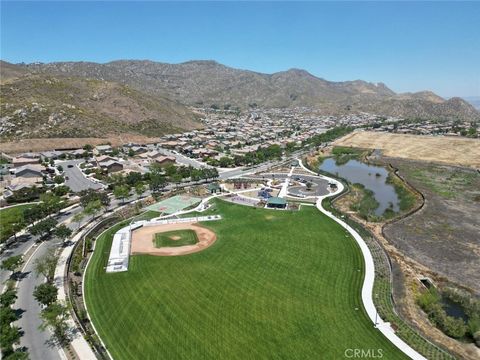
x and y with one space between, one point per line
55 316
62 232
309 185
51 203
225 162
177 179
195 174
92 208
170 170
8 297
45 294
133 178
121 192
78 217
12 263
9 336
61 190
18 354
157 183
7 316
87 196
43 228
46 265
139 189
454 327
32 214
290 147
59 179
17 226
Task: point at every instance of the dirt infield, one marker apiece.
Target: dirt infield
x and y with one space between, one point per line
440 149
142 240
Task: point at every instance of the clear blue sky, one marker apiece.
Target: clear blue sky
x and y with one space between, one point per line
410 46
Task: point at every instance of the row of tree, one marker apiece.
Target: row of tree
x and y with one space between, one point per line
328 135
157 179
272 152
54 314
50 204
10 334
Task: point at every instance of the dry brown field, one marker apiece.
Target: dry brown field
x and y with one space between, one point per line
35 145
439 149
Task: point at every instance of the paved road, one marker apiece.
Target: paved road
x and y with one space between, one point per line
38 343
35 341
76 179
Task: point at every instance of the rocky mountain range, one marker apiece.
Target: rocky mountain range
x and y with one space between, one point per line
39 105
140 96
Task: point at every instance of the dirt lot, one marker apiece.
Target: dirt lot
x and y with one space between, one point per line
439 149
34 145
142 240
444 234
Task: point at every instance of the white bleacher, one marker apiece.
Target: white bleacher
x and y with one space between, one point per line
120 250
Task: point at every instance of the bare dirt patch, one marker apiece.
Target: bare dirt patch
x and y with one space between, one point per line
142 240
440 149
20 146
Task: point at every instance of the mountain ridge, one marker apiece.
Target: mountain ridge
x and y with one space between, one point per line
43 105
207 83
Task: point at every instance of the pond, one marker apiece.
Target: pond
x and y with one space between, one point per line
372 177
453 309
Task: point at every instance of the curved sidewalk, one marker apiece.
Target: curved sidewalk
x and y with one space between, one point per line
367 287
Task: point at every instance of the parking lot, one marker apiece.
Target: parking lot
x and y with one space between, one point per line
74 178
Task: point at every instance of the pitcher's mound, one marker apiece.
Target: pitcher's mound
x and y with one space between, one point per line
143 240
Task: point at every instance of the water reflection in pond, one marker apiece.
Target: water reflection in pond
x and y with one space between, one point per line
372 177
453 309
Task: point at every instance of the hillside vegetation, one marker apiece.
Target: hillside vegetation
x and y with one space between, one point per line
209 83
39 106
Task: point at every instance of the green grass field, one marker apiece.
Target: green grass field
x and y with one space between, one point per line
8 217
175 238
275 284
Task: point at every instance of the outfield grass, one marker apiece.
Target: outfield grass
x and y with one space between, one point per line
275 284
175 238
10 216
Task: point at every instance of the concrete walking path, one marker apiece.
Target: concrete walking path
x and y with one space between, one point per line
284 189
367 287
